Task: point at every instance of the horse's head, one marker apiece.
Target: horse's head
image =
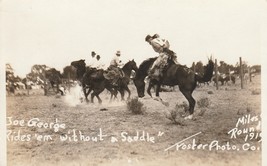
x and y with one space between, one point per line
128 67
141 73
133 65
140 86
78 64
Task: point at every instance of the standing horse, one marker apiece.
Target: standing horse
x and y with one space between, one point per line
173 74
224 79
124 81
84 73
95 80
54 77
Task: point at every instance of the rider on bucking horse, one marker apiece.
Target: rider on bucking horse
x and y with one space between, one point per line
160 46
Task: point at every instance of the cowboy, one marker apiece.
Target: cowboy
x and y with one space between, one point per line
92 61
98 64
96 69
160 46
114 72
116 62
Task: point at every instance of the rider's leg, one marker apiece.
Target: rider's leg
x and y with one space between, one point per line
155 65
114 82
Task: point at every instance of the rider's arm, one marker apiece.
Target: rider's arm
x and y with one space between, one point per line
118 61
120 64
166 44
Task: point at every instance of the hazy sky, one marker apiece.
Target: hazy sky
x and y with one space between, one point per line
56 32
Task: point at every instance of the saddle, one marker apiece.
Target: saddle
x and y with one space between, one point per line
113 72
159 70
96 74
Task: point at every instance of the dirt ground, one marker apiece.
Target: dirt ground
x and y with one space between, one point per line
231 120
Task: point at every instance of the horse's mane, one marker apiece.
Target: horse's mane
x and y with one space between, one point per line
126 65
146 63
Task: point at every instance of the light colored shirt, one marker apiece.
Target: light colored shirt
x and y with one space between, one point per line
116 61
99 65
91 62
159 44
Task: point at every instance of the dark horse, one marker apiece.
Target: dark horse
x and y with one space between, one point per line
95 80
55 78
173 74
224 79
125 80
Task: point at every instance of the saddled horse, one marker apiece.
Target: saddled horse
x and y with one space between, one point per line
125 80
96 82
84 73
173 74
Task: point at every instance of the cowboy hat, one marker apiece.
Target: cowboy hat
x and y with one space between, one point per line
118 53
148 37
93 53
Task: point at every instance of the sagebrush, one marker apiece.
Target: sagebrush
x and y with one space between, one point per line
175 115
135 106
203 102
256 92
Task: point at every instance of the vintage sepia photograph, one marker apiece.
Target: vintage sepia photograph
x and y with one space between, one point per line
132 83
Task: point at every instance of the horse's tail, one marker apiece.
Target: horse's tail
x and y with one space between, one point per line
208 73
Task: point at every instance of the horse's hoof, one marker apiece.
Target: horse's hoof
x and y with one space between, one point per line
189 117
157 98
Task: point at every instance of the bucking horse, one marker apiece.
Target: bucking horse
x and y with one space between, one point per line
173 74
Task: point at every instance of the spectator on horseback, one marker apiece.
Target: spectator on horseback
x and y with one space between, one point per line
114 72
93 71
116 62
160 46
92 61
98 64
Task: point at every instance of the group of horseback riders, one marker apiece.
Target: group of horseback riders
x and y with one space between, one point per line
161 70
114 73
